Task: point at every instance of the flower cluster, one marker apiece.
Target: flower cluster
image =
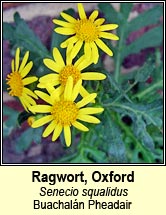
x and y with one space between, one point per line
61 88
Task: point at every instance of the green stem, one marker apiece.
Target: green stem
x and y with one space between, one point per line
152 87
118 58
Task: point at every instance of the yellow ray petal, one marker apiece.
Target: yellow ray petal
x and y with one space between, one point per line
92 76
41 108
55 95
84 93
80 126
29 92
104 47
58 57
81 11
29 80
67 134
62 23
68 17
44 96
87 50
108 27
50 77
86 100
76 48
53 65
99 21
24 61
65 31
108 36
29 99
12 65
49 129
88 118
94 15
42 121
76 90
68 89
17 59
71 40
26 69
95 53
24 103
90 110
57 132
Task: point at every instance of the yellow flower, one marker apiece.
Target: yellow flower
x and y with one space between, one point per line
62 112
64 70
17 81
86 32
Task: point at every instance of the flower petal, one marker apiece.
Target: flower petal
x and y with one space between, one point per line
70 40
90 110
92 76
87 50
50 77
42 121
41 108
86 100
29 92
67 134
76 90
26 69
68 17
55 95
81 11
108 27
94 15
29 99
80 126
68 89
99 21
17 59
44 97
88 118
62 23
104 47
108 36
29 80
12 65
24 61
65 31
95 53
24 103
82 63
57 132
76 48
58 57
53 65
49 129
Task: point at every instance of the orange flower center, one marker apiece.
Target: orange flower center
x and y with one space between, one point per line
67 71
86 30
65 112
14 80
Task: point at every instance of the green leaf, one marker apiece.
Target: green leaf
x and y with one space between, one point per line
24 140
125 9
149 17
23 116
11 121
8 31
109 12
151 38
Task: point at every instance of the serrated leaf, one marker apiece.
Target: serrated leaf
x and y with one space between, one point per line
151 38
149 17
